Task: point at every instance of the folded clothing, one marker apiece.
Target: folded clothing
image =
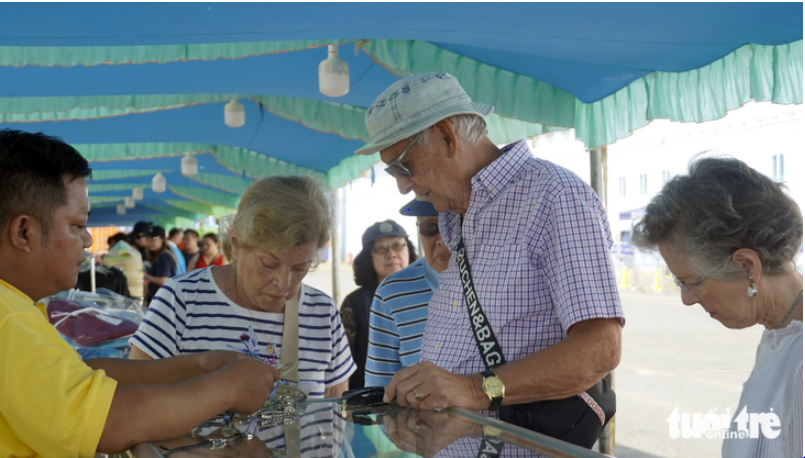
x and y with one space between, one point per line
87 325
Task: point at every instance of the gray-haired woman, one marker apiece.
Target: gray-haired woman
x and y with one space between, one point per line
729 236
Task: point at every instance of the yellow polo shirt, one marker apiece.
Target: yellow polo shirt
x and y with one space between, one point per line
51 403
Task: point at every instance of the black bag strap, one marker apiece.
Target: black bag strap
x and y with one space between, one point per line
488 345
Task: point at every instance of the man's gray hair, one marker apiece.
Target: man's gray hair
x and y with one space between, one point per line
469 127
723 205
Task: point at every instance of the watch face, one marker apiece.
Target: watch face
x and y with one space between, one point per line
493 386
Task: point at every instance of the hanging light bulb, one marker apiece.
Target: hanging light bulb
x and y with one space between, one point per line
128 202
137 193
189 165
234 114
121 209
159 183
333 74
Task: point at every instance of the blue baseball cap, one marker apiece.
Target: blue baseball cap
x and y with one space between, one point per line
418 208
386 228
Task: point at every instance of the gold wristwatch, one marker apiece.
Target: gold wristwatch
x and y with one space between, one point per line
494 388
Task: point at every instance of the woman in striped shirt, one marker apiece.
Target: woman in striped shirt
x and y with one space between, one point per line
281 224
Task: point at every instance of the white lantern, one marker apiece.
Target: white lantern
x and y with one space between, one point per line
137 193
333 74
234 114
121 209
128 202
189 165
159 183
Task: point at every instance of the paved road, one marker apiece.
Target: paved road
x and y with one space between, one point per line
673 355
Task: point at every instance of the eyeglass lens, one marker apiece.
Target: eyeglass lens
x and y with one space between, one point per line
382 249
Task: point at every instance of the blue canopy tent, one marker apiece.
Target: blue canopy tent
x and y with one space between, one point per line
136 86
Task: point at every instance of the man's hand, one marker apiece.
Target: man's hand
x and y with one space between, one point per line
426 386
247 383
213 360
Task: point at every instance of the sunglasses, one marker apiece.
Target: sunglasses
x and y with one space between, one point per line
139 236
382 249
395 168
427 229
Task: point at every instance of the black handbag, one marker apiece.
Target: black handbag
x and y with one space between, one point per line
578 419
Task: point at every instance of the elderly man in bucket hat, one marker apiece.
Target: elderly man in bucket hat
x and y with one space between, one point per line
537 240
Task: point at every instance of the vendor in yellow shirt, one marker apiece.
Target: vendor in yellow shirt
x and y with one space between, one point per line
53 404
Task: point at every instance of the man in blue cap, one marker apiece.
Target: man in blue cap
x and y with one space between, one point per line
537 240
400 306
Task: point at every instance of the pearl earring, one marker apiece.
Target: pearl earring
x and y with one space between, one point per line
751 291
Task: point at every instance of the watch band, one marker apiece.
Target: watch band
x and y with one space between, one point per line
494 401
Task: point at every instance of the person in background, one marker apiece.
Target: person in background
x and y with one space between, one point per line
137 237
191 250
53 403
113 240
174 239
163 261
400 306
386 249
729 235
210 253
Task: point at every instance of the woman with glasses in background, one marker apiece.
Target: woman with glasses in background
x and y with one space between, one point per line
729 236
386 249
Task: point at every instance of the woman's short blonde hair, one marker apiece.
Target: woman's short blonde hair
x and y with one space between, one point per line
279 213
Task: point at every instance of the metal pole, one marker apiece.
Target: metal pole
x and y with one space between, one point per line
597 173
334 205
92 272
598 181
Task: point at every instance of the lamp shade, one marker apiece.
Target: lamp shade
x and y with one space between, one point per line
333 74
189 165
121 209
159 183
128 202
137 193
234 114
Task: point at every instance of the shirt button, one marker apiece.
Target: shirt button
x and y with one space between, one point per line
455 303
494 191
436 346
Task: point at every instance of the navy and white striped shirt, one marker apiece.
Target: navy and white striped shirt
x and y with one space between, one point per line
190 314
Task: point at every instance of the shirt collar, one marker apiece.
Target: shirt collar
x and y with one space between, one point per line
12 288
495 176
431 276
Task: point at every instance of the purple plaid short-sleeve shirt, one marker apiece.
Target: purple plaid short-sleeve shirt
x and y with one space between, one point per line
537 240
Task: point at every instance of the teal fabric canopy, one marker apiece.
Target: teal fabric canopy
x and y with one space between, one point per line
135 87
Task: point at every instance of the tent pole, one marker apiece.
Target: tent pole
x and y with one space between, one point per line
598 181
597 167
334 206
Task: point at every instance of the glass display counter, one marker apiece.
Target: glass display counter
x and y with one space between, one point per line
327 428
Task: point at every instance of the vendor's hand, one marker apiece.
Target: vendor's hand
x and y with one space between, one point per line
213 360
427 432
435 388
247 384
